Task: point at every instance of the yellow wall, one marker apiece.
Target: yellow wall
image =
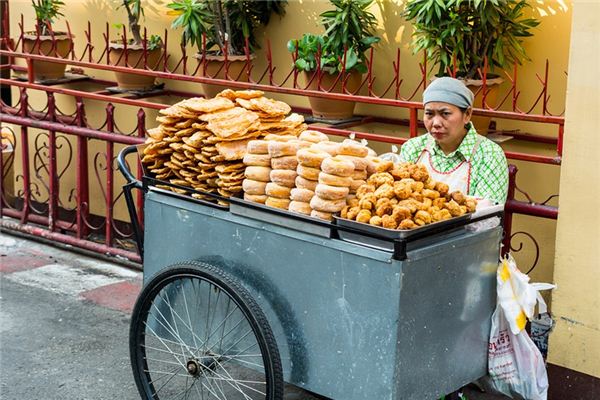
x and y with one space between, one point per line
575 343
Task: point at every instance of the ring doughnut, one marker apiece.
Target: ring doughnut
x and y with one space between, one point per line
301 144
286 162
277 202
334 180
274 190
352 148
279 138
304 183
308 172
311 157
337 166
313 136
330 206
302 195
357 174
327 192
257 147
261 160
284 177
258 173
300 207
256 198
377 164
281 149
360 163
327 216
328 147
356 183
253 187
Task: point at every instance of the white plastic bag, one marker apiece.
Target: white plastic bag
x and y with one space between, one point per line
515 365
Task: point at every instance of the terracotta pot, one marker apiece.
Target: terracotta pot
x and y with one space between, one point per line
332 109
135 58
480 122
57 46
215 68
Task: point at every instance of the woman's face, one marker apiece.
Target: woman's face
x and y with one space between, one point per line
446 123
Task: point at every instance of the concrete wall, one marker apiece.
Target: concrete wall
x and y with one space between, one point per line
575 343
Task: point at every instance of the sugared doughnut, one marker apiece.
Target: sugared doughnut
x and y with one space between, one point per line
308 172
357 174
313 136
327 192
301 144
274 190
376 164
304 183
263 160
328 147
257 147
356 183
280 138
281 149
303 195
277 202
331 206
284 177
352 148
258 173
300 207
311 157
253 187
327 216
256 198
337 166
360 163
286 162
334 180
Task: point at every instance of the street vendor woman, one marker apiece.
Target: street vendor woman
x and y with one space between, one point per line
452 150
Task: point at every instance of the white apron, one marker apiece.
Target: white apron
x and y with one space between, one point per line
458 178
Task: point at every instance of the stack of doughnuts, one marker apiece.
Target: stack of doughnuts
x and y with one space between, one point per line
258 170
356 153
283 172
333 187
308 170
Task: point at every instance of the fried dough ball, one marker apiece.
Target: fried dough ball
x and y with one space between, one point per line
471 204
419 173
458 197
380 178
431 194
401 213
364 190
383 206
442 188
387 221
394 201
407 224
375 220
440 215
385 190
463 209
368 202
417 196
430 184
352 201
417 186
402 190
353 212
363 216
454 208
344 212
422 218
425 204
439 202
399 172
411 204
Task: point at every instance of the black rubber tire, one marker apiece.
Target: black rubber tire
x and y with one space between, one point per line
253 314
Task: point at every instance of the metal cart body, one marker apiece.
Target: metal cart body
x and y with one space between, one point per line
351 322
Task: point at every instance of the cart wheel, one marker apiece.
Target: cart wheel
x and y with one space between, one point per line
197 334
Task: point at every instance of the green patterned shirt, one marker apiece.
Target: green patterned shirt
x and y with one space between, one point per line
489 169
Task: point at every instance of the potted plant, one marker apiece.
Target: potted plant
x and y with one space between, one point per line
220 29
45 41
336 58
461 36
136 51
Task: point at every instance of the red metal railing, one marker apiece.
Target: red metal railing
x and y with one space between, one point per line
75 224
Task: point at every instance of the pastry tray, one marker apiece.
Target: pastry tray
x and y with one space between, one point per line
275 216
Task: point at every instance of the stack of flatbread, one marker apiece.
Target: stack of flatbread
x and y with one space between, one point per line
200 143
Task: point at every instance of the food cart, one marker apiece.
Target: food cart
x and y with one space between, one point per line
239 299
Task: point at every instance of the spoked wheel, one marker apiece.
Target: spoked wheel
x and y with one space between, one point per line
197 334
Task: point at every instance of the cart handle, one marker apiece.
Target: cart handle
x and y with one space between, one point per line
132 182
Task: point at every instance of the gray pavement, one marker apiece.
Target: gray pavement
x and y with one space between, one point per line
64 325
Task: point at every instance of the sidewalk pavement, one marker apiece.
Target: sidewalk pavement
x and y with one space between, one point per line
95 281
